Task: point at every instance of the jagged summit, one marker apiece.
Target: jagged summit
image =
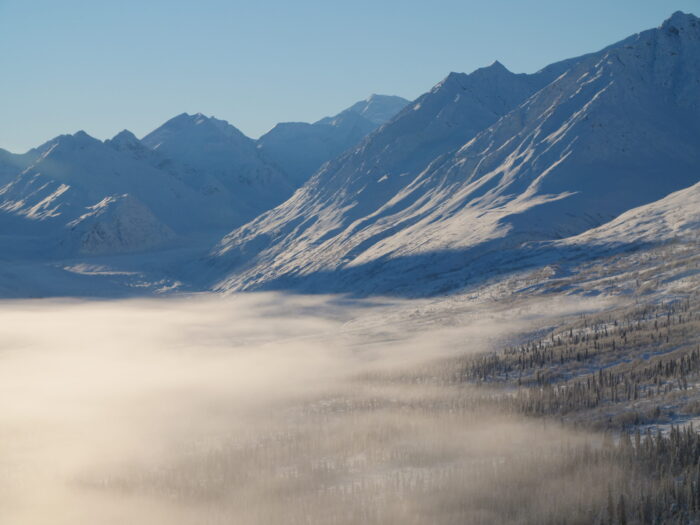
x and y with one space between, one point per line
495 66
680 20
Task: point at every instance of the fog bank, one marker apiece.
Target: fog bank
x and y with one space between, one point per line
264 408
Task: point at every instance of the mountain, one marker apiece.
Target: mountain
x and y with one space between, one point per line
12 164
194 177
214 157
378 109
300 148
485 162
74 179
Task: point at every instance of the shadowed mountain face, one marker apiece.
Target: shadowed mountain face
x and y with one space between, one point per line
487 161
299 148
217 158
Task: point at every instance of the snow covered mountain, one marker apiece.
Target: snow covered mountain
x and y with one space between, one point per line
194 177
299 148
486 162
488 173
216 158
74 176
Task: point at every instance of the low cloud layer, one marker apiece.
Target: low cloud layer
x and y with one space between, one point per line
261 408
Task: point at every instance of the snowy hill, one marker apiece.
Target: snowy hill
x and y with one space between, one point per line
118 224
485 162
299 148
675 217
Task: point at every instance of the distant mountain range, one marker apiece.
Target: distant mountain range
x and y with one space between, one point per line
299 149
194 175
485 171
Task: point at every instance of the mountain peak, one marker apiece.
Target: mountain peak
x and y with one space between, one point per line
186 118
125 140
194 129
201 118
124 136
679 19
77 139
495 71
496 68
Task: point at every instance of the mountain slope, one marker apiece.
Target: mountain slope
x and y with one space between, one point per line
117 224
11 165
378 109
613 130
675 217
216 158
299 148
72 175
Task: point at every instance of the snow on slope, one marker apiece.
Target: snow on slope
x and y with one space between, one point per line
118 223
72 174
378 109
299 148
218 159
675 217
620 128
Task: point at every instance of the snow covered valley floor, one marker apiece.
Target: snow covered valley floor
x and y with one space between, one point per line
482 407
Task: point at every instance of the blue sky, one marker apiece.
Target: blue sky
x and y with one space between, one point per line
103 66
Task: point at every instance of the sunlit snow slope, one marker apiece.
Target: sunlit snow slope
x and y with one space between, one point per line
483 163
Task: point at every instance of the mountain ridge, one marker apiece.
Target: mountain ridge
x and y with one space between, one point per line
514 181
302 148
488 171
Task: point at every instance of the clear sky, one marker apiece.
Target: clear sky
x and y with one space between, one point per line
103 66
